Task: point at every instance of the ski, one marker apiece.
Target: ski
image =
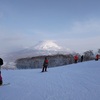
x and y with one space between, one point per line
5 84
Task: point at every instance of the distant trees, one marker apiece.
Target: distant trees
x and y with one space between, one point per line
37 62
98 50
88 55
54 60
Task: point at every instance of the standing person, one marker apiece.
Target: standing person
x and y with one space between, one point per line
1 63
97 57
75 58
0 79
45 65
82 58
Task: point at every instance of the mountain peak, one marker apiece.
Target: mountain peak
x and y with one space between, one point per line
47 45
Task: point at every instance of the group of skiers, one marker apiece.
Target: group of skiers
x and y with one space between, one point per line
76 58
45 64
44 69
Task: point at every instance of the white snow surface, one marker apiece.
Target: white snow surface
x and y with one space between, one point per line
79 81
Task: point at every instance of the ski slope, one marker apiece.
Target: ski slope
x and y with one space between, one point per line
79 81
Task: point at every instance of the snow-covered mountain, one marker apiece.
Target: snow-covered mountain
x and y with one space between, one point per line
47 45
42 48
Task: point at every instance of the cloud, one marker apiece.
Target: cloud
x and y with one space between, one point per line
43 35
85 29
14 41
81 44
80 36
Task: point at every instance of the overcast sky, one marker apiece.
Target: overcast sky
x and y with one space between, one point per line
73 23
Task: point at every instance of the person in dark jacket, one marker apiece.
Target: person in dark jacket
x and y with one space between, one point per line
1 63
45 65
82 58
0 79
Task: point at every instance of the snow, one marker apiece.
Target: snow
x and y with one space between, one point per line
47 45
79 81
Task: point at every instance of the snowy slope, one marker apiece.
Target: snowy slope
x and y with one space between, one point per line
72 82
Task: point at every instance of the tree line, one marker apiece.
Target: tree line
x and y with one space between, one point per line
54 60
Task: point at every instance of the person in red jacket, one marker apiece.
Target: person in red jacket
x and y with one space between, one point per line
45 65
97 57
0 79
75 58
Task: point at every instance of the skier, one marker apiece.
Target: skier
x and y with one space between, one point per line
97 57
82 58
45 65
1 63
0 79
75 58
